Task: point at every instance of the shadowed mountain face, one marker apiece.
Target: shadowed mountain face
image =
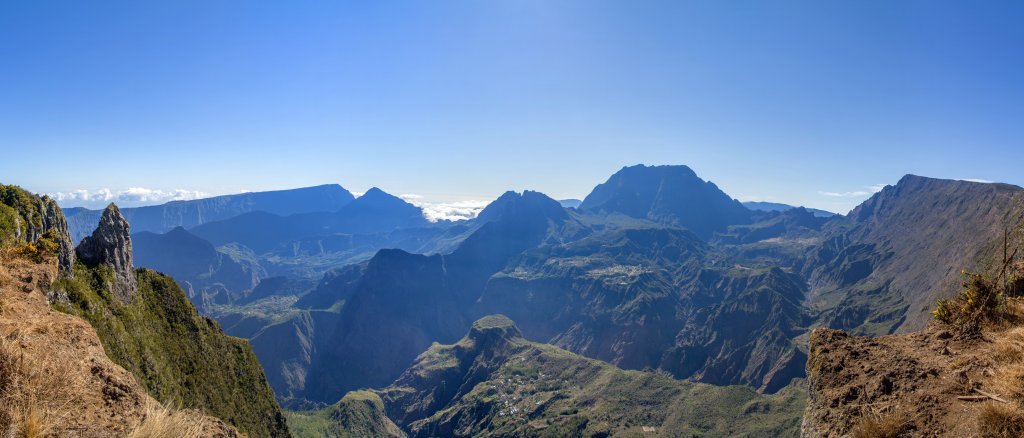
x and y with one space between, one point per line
883 267
672 195
376 212
657 269
404 302
636 297
164 217
197 265
640 294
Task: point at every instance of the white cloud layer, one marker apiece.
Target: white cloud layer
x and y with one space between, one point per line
867 191
451 211
131 196
977 180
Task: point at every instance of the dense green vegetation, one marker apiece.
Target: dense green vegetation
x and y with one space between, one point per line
23 210
179 356
358 414
495 383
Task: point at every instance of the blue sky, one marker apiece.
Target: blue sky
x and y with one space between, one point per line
805 102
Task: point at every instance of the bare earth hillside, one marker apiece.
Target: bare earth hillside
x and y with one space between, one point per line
927 383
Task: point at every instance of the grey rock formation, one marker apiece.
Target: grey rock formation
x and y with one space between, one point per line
57 227
111 244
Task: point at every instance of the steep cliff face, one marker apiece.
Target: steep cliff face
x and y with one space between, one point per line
28 218
111 244
882 268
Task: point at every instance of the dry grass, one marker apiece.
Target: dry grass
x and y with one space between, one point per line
887 426
163 422
30 397
997 419
1000 420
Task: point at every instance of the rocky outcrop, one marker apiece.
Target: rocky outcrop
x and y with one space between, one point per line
54 225
29 218
111 244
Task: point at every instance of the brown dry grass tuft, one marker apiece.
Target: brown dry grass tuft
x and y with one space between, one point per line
1007 354
888 426
23 387
1000 420
162 422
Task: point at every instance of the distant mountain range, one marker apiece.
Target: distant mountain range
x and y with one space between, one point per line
775 206
655 269
188 214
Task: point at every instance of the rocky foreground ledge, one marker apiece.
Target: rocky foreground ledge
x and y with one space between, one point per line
927 383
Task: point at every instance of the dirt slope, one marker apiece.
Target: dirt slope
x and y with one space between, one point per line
926 383
55 378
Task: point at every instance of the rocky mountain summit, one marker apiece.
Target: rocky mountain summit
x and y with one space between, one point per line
111 244
672 195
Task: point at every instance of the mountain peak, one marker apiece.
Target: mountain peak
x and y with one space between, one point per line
377 196
375 191
667 194
528 203
111 244
378 211
494 327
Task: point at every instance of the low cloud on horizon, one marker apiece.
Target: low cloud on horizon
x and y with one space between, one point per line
867 191
452 211
130 197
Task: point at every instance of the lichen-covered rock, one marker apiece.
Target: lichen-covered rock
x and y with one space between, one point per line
111 244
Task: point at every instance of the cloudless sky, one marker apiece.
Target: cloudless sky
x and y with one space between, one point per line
805 102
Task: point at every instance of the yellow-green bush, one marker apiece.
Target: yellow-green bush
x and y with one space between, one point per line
980 300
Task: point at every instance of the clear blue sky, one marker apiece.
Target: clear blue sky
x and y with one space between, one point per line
791 101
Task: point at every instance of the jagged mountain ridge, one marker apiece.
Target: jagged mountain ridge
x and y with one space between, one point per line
881 268
636 309
727 311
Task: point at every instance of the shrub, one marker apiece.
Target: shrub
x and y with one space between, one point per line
981 300
9 224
